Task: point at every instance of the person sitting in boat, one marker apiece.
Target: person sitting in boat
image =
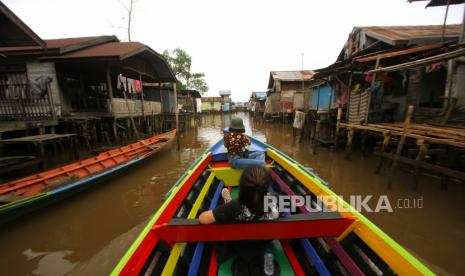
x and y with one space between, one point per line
249 207
235 142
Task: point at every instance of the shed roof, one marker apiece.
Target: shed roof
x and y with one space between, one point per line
259 95
290 76
119 50
130 53
14 32
401 35
61 45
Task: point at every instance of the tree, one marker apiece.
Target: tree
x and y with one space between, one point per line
128 7
181 62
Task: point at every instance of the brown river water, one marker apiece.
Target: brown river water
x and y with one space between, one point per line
88 233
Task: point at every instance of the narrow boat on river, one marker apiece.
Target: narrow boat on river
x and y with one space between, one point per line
303 242
21 196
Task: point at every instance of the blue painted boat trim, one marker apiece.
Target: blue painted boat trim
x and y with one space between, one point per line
195 263
316 260
95 177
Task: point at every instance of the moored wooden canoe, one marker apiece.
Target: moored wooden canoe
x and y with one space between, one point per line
23 195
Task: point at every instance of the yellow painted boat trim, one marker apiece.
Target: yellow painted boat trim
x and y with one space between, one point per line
179 247
231 176
399 259
119 267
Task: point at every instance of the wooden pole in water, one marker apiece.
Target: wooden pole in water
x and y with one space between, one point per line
110 89
142 102
176 113
400 146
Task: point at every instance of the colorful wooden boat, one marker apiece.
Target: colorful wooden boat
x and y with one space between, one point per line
21 196
304 243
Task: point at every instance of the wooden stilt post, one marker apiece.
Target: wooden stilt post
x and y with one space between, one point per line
115 131
316 115
386 138
350 137
423 149
338 120
176 113
372 86
131 117
110 89
400 146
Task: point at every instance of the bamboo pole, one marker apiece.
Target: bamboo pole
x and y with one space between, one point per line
142 100
176 113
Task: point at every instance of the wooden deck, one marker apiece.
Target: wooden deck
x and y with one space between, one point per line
423 136
37 139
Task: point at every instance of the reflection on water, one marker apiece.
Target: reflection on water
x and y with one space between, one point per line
50 263
88 234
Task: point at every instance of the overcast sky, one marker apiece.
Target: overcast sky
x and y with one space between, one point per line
235 43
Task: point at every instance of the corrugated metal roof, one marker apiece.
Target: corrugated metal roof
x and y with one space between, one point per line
395 35
292 75
260 95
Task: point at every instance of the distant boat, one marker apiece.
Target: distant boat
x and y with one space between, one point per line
303 243
21 196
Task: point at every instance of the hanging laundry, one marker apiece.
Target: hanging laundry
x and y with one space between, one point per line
122 84
138 86
433 67
131 88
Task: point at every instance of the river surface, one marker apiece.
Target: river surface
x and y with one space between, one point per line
89 232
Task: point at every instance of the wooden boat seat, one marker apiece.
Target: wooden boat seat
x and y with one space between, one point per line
225 164
319 224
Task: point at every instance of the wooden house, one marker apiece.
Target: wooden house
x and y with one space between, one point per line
380 92
257 102
288 91
87 86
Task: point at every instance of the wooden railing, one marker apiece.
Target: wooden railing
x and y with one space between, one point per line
17 103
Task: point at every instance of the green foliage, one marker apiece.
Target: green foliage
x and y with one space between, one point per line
181 62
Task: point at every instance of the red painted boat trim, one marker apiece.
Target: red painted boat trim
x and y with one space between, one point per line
254 231
298 271
213 267
140 256
35 184
225 164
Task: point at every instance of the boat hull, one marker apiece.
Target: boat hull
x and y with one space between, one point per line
346 243
16 209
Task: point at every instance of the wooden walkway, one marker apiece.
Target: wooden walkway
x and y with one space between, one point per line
36 139
442 137
40 141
